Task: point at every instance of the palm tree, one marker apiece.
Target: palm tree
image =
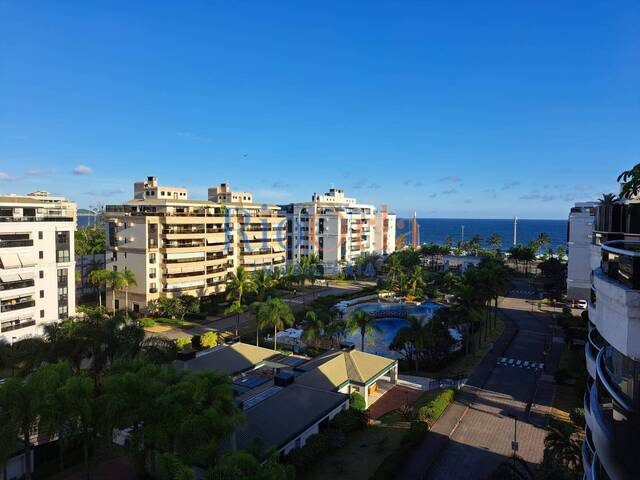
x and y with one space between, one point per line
115 283
99 279
363 322
262 282
274 313
607 199
495 240
313 327
128 279
416 281
335 329
312 267
240 284
394 267
543 239
630 182
563 445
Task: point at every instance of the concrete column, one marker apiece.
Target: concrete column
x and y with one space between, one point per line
364 391
393 374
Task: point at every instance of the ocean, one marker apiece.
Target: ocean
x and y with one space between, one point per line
436 230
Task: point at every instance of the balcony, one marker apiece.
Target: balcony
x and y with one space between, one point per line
591 349
12 325
614 422
50 218
15 243
184 274
16 285
183 244
621 261
153 290
19 305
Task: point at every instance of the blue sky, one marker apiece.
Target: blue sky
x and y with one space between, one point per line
453 108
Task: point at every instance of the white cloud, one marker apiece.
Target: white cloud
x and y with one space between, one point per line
5 177
82 170
451 178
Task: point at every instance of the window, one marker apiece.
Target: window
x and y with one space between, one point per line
41 293
41 274
115 268
40 254
41 313
63 247
39 235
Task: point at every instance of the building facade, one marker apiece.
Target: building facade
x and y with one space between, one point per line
337 229
612 401
175 245
579 240
37 263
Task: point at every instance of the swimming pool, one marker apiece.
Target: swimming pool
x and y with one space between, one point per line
392 317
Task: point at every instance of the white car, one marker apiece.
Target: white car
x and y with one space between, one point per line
581 304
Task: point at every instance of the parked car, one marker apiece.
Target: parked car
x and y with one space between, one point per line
581 304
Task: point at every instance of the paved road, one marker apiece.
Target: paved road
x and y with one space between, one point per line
475 434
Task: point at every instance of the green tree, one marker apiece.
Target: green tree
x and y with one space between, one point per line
416 281
239 285
127 279
263 283
630 182
363 322
495 241
276 314
313 327
236 465
99 278
115 283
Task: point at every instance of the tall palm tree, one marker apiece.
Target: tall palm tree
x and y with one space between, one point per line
313 327
394 267
274 313
336 329
99 279
128 279
240 284
416 281
312 267
364 323
543 239
115 283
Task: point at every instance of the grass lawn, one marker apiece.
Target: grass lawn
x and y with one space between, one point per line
564 401
174 321
362 454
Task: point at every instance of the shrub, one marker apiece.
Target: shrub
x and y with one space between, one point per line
349 421
183 343
209 340
316 447
434 408
147 322
170 467
577 417
356 402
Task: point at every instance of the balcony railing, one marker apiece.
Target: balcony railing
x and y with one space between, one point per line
16 325
184 274
16 285
37 219
10 307
621 262
15 243
620 400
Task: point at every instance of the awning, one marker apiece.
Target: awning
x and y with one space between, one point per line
9 277
27 259
26 276
10 260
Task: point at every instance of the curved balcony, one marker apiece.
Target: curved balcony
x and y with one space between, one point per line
591 349
613 423
588 452
621 261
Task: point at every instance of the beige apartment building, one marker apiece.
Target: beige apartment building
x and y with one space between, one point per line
175 245
37 263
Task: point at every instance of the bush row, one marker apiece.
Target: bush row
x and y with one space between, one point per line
333 438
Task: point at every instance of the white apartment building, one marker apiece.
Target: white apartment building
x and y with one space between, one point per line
175 245
579 241
612 400
37 263
337 229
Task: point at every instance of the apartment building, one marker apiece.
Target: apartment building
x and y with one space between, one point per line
175 245
579 240
612 401
337 228
37 263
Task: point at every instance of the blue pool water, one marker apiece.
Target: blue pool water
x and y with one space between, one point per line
389 326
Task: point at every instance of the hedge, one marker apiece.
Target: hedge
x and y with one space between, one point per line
435 407
147 322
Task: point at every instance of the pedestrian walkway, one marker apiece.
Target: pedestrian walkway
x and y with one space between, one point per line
395 398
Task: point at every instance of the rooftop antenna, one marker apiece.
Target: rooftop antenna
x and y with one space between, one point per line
515 230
